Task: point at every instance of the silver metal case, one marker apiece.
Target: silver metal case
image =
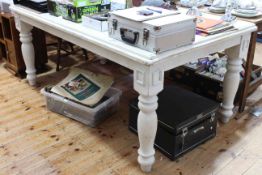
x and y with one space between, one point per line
154 35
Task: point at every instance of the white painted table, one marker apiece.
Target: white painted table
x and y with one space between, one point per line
148 67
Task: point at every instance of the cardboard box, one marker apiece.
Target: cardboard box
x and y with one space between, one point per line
94 23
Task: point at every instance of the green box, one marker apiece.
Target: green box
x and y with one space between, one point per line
74 10
82 3
75 14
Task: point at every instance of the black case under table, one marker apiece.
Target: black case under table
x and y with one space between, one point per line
185 120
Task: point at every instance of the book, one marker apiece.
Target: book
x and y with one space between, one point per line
218 28
205 23
206 26
83 86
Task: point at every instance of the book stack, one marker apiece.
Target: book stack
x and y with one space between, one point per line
207 26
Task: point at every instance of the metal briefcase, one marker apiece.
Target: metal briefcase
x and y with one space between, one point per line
185 120
152 33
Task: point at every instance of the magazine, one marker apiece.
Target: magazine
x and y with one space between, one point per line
83 86
206 26
218 28
206 23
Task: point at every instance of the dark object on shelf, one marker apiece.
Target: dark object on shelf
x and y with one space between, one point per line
39 6
207 86
185 120
256 71
10 46
259 35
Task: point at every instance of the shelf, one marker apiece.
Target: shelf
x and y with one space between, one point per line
2 41
10 46
6 28
3 53
210 85
1 32
7 15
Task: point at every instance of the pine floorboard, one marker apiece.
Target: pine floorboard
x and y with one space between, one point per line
34 140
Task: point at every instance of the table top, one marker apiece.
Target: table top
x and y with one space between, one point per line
50 23
256 20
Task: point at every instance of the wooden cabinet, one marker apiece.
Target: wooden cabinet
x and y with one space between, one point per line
10 46
3 53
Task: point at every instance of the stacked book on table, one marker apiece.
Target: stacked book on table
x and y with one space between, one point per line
208 26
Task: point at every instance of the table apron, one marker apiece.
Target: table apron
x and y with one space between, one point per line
197 52
104 52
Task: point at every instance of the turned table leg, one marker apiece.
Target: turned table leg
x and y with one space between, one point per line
28 52
27 49
230 86
232 77
148 83
147 126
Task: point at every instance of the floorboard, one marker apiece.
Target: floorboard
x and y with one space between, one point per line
34 140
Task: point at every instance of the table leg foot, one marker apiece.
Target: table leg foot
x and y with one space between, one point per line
225 114
146 168
31 78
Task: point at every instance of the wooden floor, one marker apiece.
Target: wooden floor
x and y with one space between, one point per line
36 141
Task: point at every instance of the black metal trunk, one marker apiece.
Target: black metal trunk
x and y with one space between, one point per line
185 120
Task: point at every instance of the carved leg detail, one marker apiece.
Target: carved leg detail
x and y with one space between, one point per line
147 126
28 52
232 77
230 86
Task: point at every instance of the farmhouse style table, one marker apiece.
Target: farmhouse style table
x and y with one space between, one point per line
148 67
